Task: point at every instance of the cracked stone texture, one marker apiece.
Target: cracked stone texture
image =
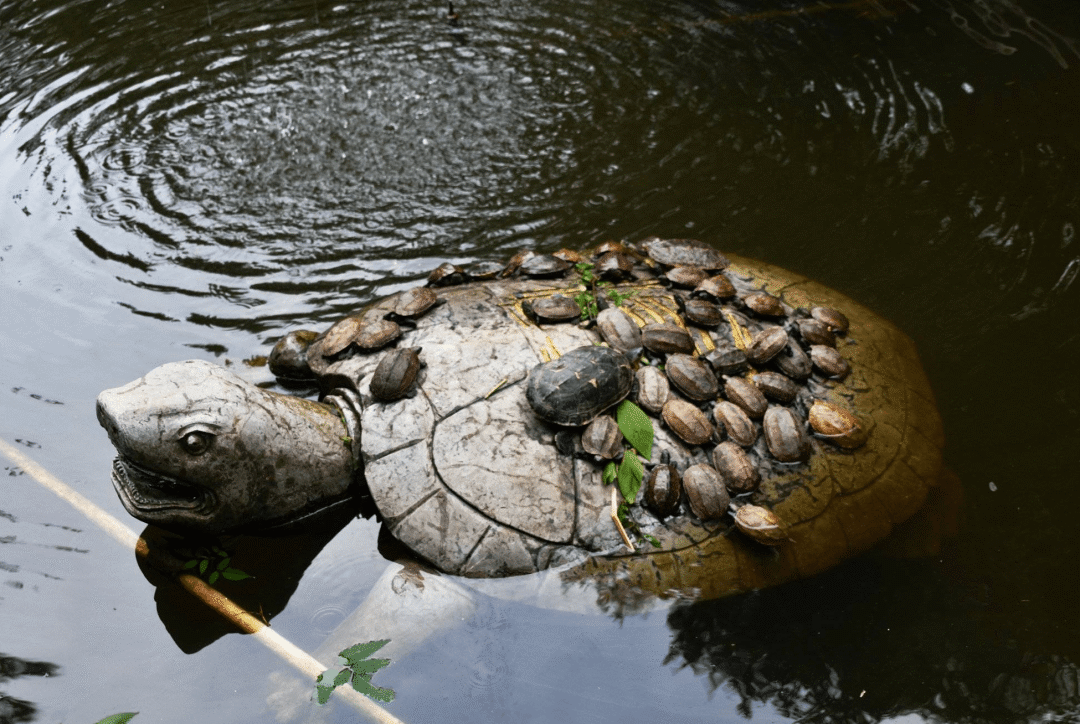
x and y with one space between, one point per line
502 459
483 491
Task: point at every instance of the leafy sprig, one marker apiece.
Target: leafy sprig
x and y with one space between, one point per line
214 564
588 299
637 429
358 672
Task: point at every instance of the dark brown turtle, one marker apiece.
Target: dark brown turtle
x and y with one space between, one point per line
602 438
447 275
663 489
415 302
553 309
614 266
665 337
706 492
579 385
288 359
717 287
395 374
687 421
686 276
702 313
692 376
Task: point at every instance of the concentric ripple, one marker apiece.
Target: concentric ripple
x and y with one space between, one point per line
230 158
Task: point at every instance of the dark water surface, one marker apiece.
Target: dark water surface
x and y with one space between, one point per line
192 179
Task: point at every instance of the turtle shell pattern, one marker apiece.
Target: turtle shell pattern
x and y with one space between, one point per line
466 475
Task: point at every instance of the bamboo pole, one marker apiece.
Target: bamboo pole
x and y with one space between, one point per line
290 652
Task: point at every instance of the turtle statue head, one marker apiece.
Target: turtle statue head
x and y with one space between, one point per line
201 450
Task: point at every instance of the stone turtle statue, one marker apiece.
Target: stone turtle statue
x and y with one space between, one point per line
769 395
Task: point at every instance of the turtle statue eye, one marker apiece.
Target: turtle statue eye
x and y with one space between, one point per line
196 442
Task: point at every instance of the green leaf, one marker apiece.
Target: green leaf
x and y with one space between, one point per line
203 565
630 475
213 578
652 539
636 427
323 693
357 653
609 473
232 574
342 676
121 718
191 564
370 666
362 684
224 563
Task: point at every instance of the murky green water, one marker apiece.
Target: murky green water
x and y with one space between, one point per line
192 180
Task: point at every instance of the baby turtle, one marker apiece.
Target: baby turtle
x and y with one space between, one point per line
578 386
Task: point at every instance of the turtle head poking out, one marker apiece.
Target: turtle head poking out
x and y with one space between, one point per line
200 450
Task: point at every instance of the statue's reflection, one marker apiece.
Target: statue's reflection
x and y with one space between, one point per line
275 566
13 710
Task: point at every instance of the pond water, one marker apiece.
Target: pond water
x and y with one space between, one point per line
192 179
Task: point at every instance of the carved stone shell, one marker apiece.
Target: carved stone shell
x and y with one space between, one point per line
706 492
665 338
602 438
687 421
653 389
618 329
785 436
738 472
692 377
663 489
761 524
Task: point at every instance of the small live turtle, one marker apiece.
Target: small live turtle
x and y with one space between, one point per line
413 303
553 309
396 374
579 385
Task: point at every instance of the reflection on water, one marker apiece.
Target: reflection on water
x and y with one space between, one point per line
13 710
810 650
209 174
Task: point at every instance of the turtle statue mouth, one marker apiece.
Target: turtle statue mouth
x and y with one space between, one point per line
146 491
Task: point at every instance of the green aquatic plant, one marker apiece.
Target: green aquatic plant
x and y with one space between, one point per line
358 670
214 564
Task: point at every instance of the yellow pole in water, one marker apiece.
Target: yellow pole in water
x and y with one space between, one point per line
290 652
